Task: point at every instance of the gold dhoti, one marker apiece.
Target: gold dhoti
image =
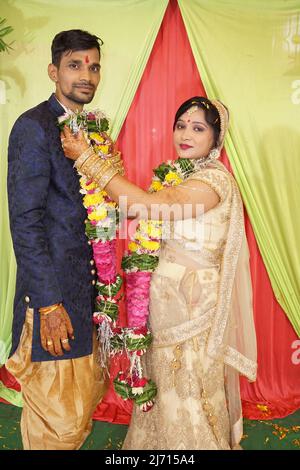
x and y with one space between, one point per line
59 396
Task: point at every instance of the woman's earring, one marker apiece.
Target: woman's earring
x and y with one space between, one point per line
214 154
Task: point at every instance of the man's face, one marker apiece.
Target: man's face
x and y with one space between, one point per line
76 78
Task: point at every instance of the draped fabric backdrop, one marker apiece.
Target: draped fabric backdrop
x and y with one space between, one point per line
171 76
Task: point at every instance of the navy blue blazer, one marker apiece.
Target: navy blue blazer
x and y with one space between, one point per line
47 226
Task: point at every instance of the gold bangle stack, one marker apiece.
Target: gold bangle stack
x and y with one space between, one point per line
83 157
105 174
101 171
47 310
117 162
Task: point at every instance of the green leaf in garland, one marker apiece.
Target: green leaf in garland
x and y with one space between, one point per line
134 344
110 290
186 165
104 233
162 170
143 262
149 393
104 125
122 389
107 308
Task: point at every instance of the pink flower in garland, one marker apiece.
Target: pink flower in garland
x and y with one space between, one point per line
105 260
137 289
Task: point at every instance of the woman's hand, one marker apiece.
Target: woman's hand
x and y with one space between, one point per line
73 145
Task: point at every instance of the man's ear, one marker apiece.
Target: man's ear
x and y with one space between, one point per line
52 72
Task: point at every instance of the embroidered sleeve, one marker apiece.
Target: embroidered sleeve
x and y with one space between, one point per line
217 179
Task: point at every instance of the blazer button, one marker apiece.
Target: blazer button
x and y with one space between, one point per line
27 299
93 271
92 262
93 282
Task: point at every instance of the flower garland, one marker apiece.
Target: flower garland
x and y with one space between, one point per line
101 225
139 263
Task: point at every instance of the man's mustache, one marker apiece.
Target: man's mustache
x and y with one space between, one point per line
84 85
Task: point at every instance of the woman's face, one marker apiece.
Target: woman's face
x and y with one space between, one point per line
193 137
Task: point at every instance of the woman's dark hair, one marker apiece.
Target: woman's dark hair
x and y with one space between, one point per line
211 113
73 40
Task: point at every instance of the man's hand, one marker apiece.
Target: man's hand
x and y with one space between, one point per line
55 328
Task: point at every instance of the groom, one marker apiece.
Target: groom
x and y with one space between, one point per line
53 349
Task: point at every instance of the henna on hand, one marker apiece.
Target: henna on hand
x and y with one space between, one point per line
73 145
55 328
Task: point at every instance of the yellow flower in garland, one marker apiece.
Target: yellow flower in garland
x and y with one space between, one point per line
87 187
133 246
92 199
102 148
150 245
138 236
143 225
149 227
97 137
156 186
99 214
154 232
173 178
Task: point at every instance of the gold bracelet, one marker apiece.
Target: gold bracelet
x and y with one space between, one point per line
117 162
83 157
98 169
94 169
91 160
116 158
103 177
92 166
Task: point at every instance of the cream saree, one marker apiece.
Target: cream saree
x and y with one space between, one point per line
202 324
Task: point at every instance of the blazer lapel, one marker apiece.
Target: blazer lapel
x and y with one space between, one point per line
55 107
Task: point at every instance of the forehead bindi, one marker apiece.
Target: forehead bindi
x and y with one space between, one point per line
197 117
90 56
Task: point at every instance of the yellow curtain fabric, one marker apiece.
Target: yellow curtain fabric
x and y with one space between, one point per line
128 29
248 55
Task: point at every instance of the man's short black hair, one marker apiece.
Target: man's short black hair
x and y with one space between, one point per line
73 40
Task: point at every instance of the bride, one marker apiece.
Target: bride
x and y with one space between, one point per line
200 297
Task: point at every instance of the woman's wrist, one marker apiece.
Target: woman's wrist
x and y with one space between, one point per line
83 157
98 169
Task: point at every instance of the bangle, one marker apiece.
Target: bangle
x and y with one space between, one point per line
117 162
83 157
103 177
98 169
91 164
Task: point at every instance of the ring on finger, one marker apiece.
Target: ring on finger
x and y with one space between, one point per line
49 342
64 341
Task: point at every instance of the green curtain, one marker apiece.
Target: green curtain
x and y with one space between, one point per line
128 29
248 55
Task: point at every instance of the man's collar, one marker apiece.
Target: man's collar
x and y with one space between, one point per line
55 106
